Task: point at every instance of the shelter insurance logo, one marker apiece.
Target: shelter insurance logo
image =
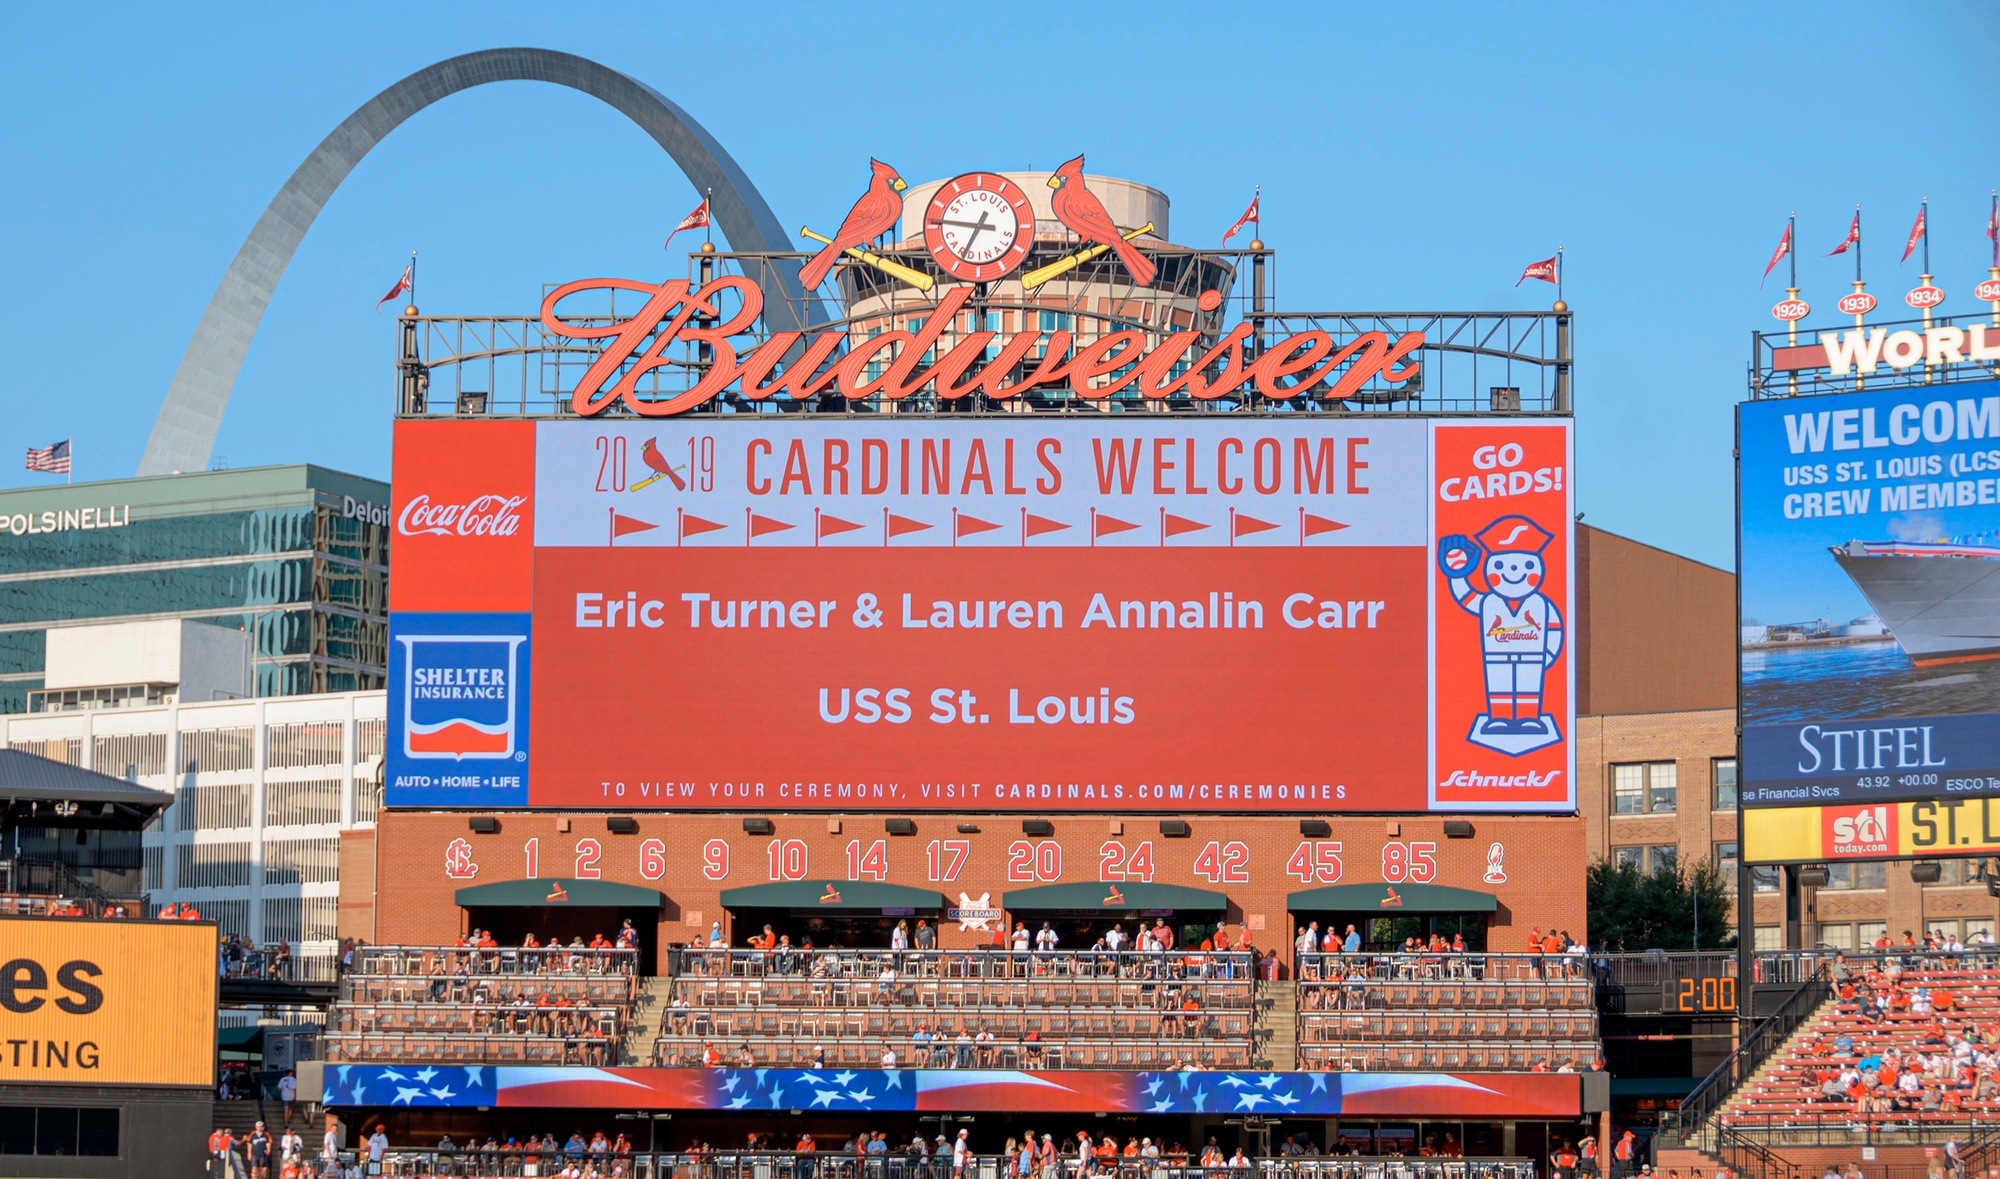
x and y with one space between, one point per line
458 709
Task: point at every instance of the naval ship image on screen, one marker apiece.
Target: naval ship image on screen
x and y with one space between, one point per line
1940 599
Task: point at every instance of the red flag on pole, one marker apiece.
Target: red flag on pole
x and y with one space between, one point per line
1546 270
1249 215
1784 248
1916 234
1853 236
695 220
402 284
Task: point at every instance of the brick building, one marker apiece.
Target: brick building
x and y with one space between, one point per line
1656 753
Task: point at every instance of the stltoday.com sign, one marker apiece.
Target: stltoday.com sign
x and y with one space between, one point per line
1228 613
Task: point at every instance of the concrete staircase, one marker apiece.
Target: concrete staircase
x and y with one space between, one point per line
1705 1135
241 1117
648 1009
1274 1035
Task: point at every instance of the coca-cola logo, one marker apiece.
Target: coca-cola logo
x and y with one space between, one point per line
484 515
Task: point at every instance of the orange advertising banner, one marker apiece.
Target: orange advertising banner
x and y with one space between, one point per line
1502 601
107 1002
1160 615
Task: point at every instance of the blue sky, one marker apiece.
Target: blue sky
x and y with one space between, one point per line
1412 156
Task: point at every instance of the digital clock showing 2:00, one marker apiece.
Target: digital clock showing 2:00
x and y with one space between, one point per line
1699 995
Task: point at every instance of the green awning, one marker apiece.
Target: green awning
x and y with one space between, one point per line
241 1038
1391 899
557 892
850 895
1113 898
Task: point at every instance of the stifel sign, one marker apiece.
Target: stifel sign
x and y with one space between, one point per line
675 312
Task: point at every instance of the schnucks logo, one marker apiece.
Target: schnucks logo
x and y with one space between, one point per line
482 515
461 695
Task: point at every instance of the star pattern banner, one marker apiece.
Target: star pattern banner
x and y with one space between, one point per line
1518 1095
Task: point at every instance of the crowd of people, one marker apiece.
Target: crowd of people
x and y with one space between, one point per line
1147 950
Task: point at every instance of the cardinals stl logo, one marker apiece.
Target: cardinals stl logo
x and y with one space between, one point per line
1391 900
831 896
556 894
458 863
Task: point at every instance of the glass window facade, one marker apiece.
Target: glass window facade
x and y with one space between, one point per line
307 579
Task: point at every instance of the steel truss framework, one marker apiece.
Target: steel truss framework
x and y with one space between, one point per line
1794 363
1499 362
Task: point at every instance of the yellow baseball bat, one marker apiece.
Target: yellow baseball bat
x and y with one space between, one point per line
915 278
1060 266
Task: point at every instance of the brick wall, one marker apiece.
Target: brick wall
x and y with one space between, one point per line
1657 632
698 855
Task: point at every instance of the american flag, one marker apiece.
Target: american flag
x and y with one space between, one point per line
53 459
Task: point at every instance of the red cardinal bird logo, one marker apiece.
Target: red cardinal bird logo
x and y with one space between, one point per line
649 452
872 216
1083 214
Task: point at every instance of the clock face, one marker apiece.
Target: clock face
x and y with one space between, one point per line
979 226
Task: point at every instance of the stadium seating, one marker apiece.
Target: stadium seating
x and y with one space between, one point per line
1445 1011
1940 1029
1055 1011
465 1005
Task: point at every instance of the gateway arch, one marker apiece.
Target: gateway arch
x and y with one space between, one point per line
184 433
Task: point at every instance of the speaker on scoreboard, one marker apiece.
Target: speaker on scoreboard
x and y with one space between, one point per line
968 828
757 826
1040 827
1315 828
1457 829
1174 828
1926 872
1813 877
483 824
622 825
900 826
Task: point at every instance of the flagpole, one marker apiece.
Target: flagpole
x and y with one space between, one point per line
1927 239
71 472
708 221
413 278
1857 247
1559 274
1792 250
1257 203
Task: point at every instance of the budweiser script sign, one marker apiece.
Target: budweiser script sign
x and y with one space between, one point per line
675 313
483 515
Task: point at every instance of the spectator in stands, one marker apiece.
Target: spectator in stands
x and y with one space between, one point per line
926 936
1351 944
1046 939
744 1057
888 1056
711 1057
288 1094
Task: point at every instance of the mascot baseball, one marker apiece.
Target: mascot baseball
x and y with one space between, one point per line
1497 578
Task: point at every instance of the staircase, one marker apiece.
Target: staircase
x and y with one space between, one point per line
1697 1125
241 1117
1274 1036
649 1007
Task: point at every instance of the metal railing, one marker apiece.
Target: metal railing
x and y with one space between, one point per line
1690 1126
985 963
42 877
1442 966
416 961
506 1164
1073 1050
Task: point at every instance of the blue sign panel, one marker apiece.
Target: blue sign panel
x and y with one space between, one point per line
458 710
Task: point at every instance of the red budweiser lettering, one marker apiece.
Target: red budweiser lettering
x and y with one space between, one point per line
639 345
485 515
